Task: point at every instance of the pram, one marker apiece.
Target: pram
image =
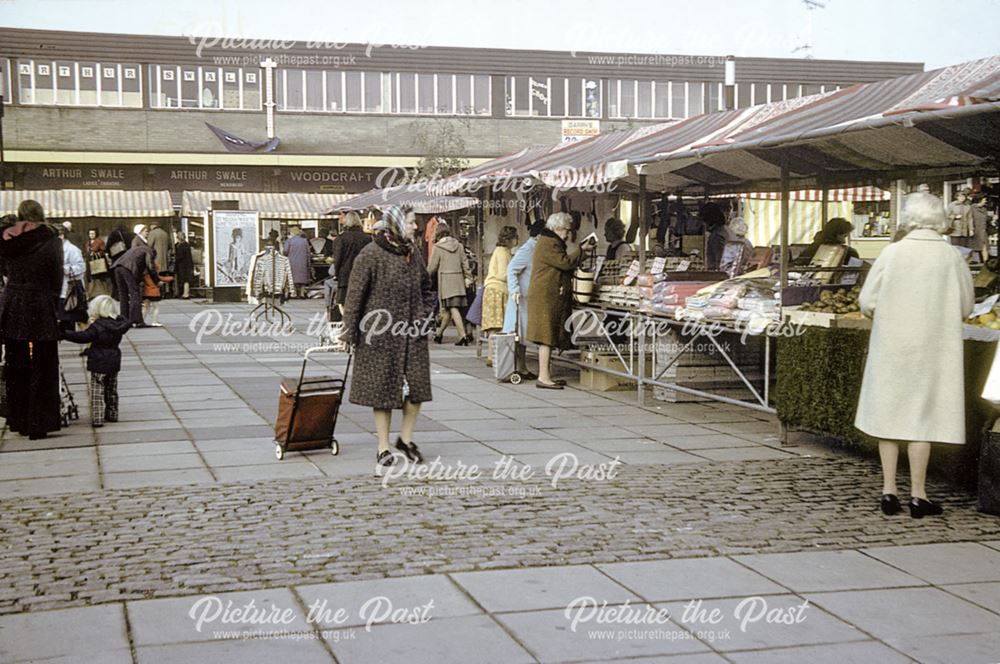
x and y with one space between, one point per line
68 410
308 410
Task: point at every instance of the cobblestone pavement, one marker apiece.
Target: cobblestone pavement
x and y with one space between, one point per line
76 549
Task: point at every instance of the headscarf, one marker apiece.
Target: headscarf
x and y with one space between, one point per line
137 230
391 231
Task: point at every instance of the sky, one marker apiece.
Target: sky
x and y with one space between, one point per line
934 32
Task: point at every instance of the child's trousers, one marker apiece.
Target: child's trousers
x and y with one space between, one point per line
103 398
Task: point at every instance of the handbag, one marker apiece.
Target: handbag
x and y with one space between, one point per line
149 287
98 266
75 304
117 248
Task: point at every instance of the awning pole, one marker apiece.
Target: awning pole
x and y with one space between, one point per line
643 226
784 224
825 216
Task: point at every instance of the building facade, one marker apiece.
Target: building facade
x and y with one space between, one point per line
88 110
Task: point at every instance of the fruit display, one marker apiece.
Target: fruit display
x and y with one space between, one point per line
990 320
841 302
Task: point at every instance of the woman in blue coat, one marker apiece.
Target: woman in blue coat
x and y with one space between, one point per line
518 279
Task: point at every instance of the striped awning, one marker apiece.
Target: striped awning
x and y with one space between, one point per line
73 203
414 197
848 194
270 205
944 122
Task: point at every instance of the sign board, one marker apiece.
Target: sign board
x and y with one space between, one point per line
633 272
578 130
79 176
234 241
658 264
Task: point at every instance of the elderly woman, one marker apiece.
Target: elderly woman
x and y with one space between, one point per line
918 293
450 265
32 257
495 285
344 250
550 293
387 316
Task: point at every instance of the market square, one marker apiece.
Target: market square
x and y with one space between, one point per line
335 350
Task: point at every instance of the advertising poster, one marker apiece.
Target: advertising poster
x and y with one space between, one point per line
234 237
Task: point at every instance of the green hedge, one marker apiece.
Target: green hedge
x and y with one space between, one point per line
819 376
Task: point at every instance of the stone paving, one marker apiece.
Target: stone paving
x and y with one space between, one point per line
111 535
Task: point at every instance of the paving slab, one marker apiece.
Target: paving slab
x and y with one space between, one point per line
540 588
299 651
962 562
140 462
828 570
49 485
950 649
374 601
92 632
690 578
199 617
132 479
443 641
865 652
928 612
986 595
742 622
756 453
552 637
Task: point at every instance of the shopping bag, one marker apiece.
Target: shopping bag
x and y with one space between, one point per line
97 266
75 304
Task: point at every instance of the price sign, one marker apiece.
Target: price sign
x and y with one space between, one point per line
633 272
683 265
659 264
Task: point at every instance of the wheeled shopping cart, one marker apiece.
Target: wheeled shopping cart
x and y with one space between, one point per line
308 409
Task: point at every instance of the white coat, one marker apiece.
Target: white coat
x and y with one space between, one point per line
918 293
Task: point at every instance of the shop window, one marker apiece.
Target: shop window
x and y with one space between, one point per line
294 90
519 93
65 78
644 99
407 93
592 98
482 97
463 95
626 98
190 92
695 98
373 92
759 94
230 98
661 99
353 92
678 97
715 98
577 97
558 101
5 79
87 76
252 90
613 99
446 90
131 85
334 91
793 90
539 96
314 90
210 88
44 83
810 90
425 94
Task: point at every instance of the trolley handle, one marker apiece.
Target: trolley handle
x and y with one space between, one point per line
321 349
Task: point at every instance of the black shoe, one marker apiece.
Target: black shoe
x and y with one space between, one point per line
384 459
438 338
37 436
919 508
546 386
527 375
464 341
890 504
411 451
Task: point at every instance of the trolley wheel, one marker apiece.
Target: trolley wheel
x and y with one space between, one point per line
334 447
279 452
515 379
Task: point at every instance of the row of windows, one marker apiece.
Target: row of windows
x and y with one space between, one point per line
382 92
72 83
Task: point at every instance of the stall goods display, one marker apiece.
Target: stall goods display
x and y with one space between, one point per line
735 300
842 302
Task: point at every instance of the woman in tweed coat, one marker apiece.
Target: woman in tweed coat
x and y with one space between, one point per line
388 316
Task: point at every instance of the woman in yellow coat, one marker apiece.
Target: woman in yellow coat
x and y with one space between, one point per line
495 286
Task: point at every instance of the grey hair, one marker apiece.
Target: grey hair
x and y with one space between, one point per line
559 220
739 226
352 220
922 210
103 306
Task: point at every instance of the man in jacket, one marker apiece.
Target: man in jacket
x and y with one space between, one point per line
128 271
159 242
345 249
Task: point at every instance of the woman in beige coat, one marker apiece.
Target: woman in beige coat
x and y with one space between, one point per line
449 263
918 293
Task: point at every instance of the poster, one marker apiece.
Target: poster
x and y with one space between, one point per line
234 238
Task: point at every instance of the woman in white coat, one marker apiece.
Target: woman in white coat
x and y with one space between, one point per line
918 293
